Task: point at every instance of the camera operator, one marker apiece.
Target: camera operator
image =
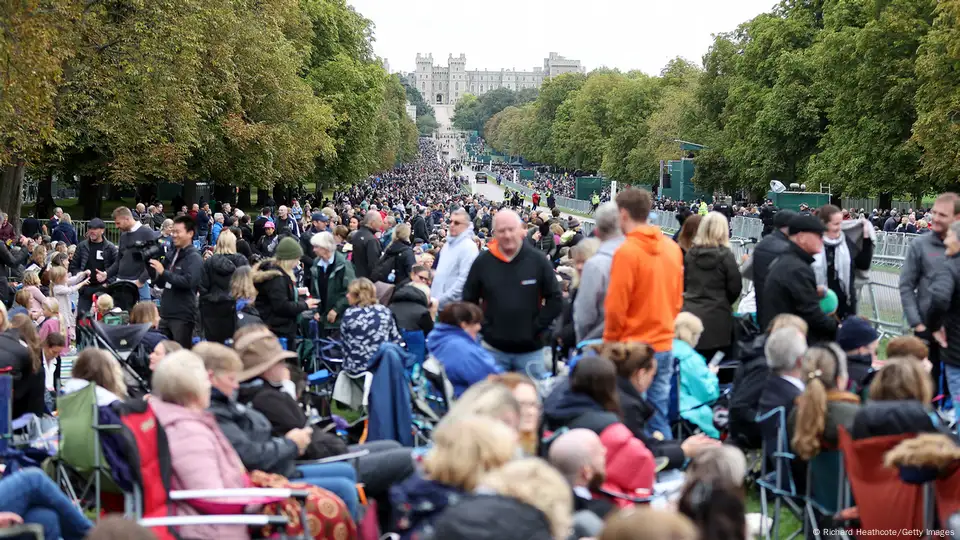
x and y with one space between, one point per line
179 275
96 254
130 265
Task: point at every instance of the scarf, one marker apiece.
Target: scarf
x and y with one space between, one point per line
841 260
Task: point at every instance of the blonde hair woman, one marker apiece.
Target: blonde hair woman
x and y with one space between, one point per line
699 386
490 398
712 283
366 326
31 284
527 499
645 523
216 301
463 452
398 259
824 404
201 457
279 300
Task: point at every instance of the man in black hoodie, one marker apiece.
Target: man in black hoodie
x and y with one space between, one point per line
768 250
516 287
179 275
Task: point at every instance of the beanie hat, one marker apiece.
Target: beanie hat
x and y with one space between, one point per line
288 249
856 332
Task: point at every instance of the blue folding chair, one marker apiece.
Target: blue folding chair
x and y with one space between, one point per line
776 475
828 491
416 344
18 451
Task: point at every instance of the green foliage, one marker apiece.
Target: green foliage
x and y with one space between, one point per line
241 92
427 124
416 98
472 113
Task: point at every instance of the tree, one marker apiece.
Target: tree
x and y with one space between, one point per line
585 120
538 137
426 125
937 129
472 113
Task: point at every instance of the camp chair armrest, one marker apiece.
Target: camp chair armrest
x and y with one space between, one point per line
336 459
239 493
25 530
250 520
108 427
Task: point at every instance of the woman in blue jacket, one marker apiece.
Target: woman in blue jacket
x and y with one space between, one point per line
699 387
453 342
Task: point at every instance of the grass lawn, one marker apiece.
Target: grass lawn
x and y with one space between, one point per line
788 522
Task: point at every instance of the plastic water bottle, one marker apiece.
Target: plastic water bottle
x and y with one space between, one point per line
392 277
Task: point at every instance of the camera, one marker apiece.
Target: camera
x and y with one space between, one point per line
151 250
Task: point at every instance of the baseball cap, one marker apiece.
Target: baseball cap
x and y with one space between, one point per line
269 225
319 216
802 224
96 223
782 218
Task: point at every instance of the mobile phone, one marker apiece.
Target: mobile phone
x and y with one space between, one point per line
717 358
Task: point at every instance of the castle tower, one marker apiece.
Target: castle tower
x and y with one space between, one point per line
458 77
424 75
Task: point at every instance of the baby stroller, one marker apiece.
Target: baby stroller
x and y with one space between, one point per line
125 294
125 343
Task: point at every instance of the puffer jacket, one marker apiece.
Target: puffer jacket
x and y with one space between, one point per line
493 517
944 310
699 388
711 285
201 457
411 309
879 418
277 300
631 468
250 434
215 280
748 382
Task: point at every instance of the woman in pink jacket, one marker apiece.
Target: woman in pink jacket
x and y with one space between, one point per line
201 456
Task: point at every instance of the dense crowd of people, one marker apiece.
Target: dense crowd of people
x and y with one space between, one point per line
587 370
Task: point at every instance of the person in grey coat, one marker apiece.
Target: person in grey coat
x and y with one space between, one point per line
925 256
943 316
588 317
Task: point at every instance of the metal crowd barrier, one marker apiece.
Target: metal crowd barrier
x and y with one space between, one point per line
112 233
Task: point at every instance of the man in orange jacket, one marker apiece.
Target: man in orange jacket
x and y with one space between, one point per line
645 295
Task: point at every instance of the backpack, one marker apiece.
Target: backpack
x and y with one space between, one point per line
387 263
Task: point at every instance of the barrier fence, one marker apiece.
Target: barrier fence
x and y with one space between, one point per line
564 203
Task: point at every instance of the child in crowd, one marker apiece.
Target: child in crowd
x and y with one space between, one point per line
62 288
53 321
103 306
20 302
31 284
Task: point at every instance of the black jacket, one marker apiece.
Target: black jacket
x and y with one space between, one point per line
944 308
772 246
879 418
777 392
130 265
492 517
258 227
398 257
636 412
748 382
711 284
792 288
249 432
419 228
82 256
28 386
520 298
277 301
366 252
284 413
411 309
860 260
215 281
9 262
180 282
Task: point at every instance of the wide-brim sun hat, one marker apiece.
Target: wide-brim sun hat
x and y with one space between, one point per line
259 351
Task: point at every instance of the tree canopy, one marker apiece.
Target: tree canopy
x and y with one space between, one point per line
472 112
857 95
239 92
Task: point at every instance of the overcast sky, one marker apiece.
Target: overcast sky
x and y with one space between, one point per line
626 34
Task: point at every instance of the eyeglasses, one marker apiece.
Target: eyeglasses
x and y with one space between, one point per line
425 279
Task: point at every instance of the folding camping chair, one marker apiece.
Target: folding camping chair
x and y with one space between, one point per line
152 499
23 442
777 483
827 493
125 344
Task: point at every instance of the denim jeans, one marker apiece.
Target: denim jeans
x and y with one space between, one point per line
339 478
34 497
659 395
952 375
515 361
145 291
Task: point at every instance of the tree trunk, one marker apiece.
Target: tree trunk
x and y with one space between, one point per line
262 196
189 193
225 194
243 199
281 194
90 196
885 201
147 192
11 188
45 201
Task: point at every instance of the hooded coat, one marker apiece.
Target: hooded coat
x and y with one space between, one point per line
399 258
277 300
411 308
453 267
712 284
464 360
217 305
630 464
249 432
493 517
